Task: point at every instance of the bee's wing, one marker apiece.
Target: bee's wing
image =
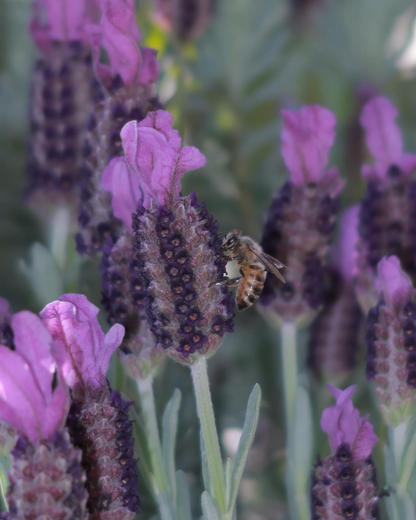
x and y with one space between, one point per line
271 264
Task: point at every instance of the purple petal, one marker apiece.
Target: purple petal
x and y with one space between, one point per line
149 71
342 423
73 323
33 343
307 137
153 152
382 134
112 340
392 283
20 392
123 184
407 163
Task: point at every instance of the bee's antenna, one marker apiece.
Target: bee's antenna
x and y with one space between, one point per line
221 235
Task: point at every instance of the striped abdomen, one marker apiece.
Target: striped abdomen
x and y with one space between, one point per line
254 276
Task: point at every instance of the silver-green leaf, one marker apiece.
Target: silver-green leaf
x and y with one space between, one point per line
210 507
170 426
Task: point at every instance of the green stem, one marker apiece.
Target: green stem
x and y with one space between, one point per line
59 231
3 486
209 430
147 403
290 370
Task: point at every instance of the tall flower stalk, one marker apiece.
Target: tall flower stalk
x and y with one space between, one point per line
297 231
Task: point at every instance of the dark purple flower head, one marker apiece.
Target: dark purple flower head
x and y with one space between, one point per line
72 322
129 82
344 484
301 217
386 223
391 339
33 395
63 87
334 338
176 243
98 420
186 19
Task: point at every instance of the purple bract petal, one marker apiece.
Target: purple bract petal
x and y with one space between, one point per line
392 283
58 20
343 424
124 187
72 321
119 34
153 152
384 139
28 399
307 137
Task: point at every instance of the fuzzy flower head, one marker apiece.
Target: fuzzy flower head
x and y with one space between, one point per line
119 35
61 20
33 396
343 425
307 137
384 141
72 322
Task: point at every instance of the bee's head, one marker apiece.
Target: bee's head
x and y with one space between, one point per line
231 240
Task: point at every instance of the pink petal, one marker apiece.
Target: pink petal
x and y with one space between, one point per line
112 340
307 137
342 423
57 410
8 415
20 391
382 134
364 440
123 184
407 163
392 283
33 343
149 71
162 121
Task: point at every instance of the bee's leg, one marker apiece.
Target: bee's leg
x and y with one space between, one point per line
228 282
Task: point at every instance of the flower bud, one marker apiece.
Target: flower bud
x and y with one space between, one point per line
301 217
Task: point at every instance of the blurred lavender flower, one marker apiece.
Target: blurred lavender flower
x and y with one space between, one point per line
387 213
302 215
391 338
63 87
177 250
334 337
46 478
98 420
130 93
344 484
185 19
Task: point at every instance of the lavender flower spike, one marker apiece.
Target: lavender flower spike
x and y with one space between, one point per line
388 208
63 87
46 479
345 483
391 338
301 217
177 249
98 420
129 82
334 338
122 284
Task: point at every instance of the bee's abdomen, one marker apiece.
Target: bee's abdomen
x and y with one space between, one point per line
251 286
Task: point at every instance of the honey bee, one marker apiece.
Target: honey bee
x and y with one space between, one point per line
253 264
